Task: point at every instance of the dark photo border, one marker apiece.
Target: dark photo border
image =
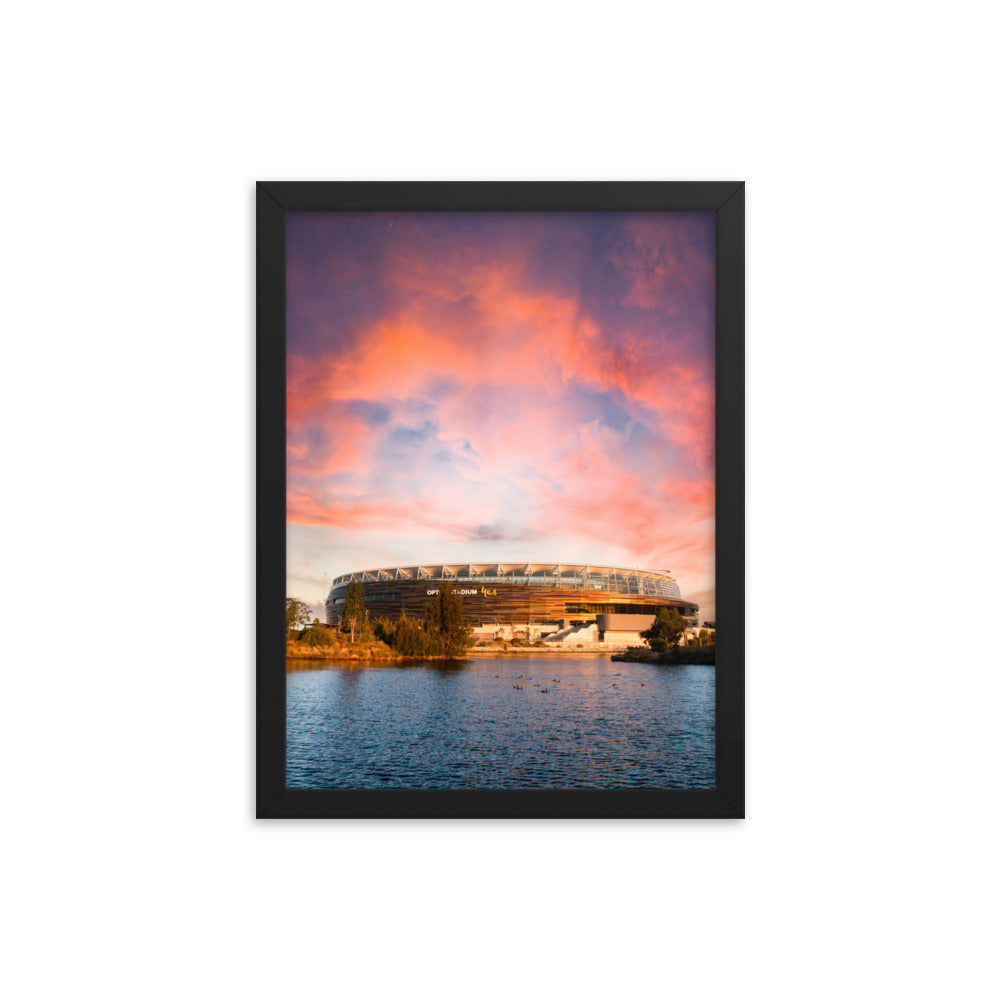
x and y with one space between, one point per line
274 201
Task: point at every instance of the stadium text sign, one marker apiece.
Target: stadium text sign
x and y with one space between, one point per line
466 593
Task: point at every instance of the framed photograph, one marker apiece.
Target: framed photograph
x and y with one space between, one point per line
500 483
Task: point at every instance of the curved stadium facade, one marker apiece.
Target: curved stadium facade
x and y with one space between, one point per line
518 593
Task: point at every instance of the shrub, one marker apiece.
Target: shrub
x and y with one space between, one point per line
384 630
317 635
410 638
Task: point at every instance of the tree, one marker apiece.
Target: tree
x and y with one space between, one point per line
446 622
666 631
353 612
704 639
297 613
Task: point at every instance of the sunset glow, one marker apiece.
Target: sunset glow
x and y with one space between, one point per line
467 387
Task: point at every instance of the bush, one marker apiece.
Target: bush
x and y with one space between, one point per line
384 630
317 635
410 638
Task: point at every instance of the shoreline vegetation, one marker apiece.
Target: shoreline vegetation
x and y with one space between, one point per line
362 650
674 656
295 650
368 650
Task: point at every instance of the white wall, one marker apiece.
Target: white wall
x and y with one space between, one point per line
624 639
134 135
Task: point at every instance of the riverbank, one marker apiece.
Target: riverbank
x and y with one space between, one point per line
341 651
702 655
380 651
509 650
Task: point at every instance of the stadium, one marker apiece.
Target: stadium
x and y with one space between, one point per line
552 602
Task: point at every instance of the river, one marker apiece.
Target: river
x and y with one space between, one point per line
577 722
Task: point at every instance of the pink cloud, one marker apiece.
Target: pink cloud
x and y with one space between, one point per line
494 377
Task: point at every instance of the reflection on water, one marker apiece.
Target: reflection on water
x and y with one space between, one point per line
529 722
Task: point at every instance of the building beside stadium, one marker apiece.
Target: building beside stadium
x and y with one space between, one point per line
568 603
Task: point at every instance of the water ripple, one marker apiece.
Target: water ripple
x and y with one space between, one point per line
463 724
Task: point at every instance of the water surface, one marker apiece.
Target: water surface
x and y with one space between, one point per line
578 722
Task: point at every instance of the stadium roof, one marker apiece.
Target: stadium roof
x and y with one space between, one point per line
469 571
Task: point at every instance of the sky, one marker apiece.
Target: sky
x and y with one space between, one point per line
500 387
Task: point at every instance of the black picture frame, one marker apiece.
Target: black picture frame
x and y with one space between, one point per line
274 201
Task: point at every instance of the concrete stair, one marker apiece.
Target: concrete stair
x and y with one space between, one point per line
573 635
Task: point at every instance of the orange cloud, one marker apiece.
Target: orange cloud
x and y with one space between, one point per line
507 401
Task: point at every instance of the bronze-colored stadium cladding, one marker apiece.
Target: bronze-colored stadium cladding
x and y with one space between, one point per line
490 603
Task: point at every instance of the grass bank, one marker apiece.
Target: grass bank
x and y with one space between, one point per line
340 651
380 651
510 650
672 657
